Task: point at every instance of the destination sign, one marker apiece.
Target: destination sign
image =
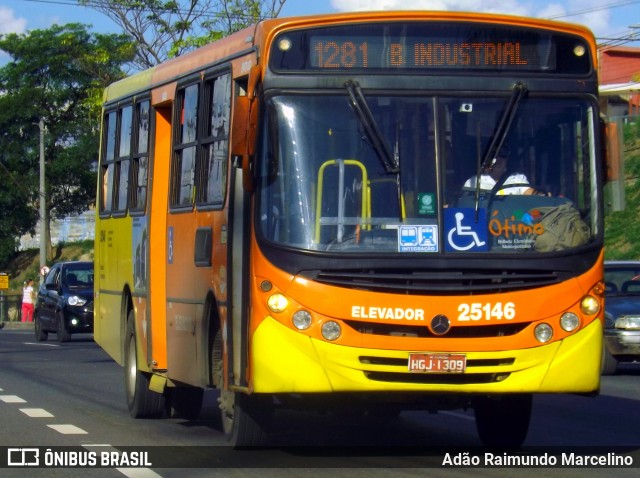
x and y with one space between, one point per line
346 53
429 47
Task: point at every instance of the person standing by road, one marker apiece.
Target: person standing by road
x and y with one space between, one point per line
28 300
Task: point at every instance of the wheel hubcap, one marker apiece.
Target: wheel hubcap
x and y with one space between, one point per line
132 367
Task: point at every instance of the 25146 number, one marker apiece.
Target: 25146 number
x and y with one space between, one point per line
477 311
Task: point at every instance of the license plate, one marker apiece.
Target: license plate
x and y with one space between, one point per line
437 363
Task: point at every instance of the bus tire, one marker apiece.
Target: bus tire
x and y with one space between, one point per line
142 402
503 421
609 362
243 417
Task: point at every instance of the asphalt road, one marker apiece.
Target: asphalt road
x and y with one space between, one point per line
69 398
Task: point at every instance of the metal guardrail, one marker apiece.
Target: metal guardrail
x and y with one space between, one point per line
10 307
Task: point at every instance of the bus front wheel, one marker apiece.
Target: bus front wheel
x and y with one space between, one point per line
142 402
244 417
503 421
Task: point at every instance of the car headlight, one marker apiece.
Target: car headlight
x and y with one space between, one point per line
76 301
631 322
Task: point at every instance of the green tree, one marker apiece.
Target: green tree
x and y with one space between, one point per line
163 29
56 75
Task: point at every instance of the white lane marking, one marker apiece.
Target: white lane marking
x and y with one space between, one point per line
68 429
36 412
128 472
42 344
12 399
138 473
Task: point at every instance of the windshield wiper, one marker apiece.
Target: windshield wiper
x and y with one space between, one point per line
390 162
500 135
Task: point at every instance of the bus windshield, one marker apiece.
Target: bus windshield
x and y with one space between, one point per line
364 172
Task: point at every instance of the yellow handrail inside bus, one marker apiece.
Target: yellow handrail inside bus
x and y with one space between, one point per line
341 163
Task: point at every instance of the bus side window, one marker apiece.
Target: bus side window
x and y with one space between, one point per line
123 159
140 166
115 170
215 143
184 154
107 167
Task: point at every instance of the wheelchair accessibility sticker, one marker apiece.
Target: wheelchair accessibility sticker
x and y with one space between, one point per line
419 238
463 232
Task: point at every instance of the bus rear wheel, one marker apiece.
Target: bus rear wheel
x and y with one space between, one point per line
503 421
142 402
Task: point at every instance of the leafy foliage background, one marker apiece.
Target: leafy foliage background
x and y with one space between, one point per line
622 228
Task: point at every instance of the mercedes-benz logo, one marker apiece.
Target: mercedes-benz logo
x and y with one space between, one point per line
440 324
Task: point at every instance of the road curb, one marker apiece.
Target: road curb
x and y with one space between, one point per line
16 325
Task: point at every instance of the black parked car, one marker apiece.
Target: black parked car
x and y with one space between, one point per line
65 301
621 313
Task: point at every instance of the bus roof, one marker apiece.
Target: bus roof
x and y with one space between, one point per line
249 39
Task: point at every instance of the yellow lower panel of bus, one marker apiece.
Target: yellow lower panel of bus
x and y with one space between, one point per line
285 361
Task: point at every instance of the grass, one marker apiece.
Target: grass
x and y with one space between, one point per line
622 228
26 264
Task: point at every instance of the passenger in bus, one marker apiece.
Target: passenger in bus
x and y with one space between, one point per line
495 178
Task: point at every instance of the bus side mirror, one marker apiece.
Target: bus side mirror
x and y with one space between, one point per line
244 135
245 126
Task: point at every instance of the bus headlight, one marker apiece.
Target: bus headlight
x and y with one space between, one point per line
301 320
284 44
277 303
331 330
590 305
569 321
543 332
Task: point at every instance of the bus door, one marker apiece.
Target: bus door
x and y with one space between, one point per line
181 281
196 223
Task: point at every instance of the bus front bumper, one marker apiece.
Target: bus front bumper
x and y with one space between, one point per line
285 361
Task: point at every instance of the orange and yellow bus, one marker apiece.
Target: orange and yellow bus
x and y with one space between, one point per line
316 210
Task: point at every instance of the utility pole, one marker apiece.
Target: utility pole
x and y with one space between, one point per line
43 211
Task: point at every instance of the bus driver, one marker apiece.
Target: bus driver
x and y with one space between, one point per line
493 177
